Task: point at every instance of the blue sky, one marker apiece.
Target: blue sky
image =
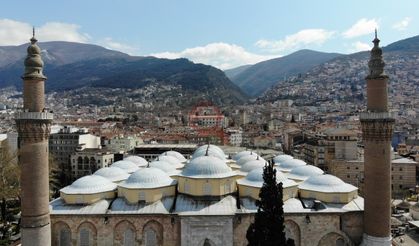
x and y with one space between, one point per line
221 33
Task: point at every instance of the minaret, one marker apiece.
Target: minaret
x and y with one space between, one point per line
377 129
33 126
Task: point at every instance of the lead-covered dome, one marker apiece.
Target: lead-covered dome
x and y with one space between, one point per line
239 155
327 184
114 174
255 178
250 165
210 150
171 160
207 167
125 165
89 185
148 178
304 172
139 161
247 158
288 165
280 158
175 154
164 166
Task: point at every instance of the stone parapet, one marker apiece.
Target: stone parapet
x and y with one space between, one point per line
34 130
378 127
34 116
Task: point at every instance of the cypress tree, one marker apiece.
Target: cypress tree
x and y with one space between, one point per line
268 227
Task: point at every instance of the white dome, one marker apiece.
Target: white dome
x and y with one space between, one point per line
212 151
148 178
239 155
114 174
139 161
176 154
125 165
255 178
326 183
304 172
89 185
207 167
164 166
247 158
280 158
250 165
287 165
171 160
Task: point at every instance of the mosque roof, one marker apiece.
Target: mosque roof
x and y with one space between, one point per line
304 172
128 166
114 174
255 179
164 166
280 158
253 164
147 178
247 158
211 150
139 161
327 184
239 155
171 160
176 154
287 165
90 184
207 167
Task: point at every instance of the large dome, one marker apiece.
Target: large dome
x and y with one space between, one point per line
304 172
114 174
139 161
90 184
125 165
212 151
255 178
288 165
148 178
170 159
326 183
176 154
280 158
247 158
164 166
239 155
250 165
207 167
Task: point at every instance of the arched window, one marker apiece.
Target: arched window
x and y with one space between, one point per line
65 237
80 160
86 160
92 160
128 237
84 237
150 237
227 188
206 189
141 196
186 187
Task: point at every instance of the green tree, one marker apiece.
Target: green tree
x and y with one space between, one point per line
268 227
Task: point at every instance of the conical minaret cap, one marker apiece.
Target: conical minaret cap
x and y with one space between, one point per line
376 63
33 61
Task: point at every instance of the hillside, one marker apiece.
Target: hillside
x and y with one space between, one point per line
233 72
71 65
259 77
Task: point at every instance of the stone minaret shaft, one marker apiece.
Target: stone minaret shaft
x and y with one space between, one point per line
33 126
377 129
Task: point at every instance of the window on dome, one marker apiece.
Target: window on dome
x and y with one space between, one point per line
186 187
84 237
150 237
206 189
128 238
65 235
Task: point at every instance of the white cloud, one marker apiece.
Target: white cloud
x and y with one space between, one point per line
359 46
111 44
360 28
295 41
15 32
402 25
221 55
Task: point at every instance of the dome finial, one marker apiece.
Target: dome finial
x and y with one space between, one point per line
206 152
33 39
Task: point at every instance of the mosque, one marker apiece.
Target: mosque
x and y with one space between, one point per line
203 199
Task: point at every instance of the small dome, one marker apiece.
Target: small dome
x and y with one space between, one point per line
127 166
250 165
89 185
164 166
255 178
176 154
280 158
304 172
287 165
211 146
171 160
148 178
247 158
114 174
139 161
326 183
239 155
216 152
207 167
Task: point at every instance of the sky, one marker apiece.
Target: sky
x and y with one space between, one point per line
222 33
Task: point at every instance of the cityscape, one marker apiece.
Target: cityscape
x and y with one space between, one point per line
101 144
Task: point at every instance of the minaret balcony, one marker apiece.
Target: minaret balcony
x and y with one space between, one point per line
34 116
384 116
